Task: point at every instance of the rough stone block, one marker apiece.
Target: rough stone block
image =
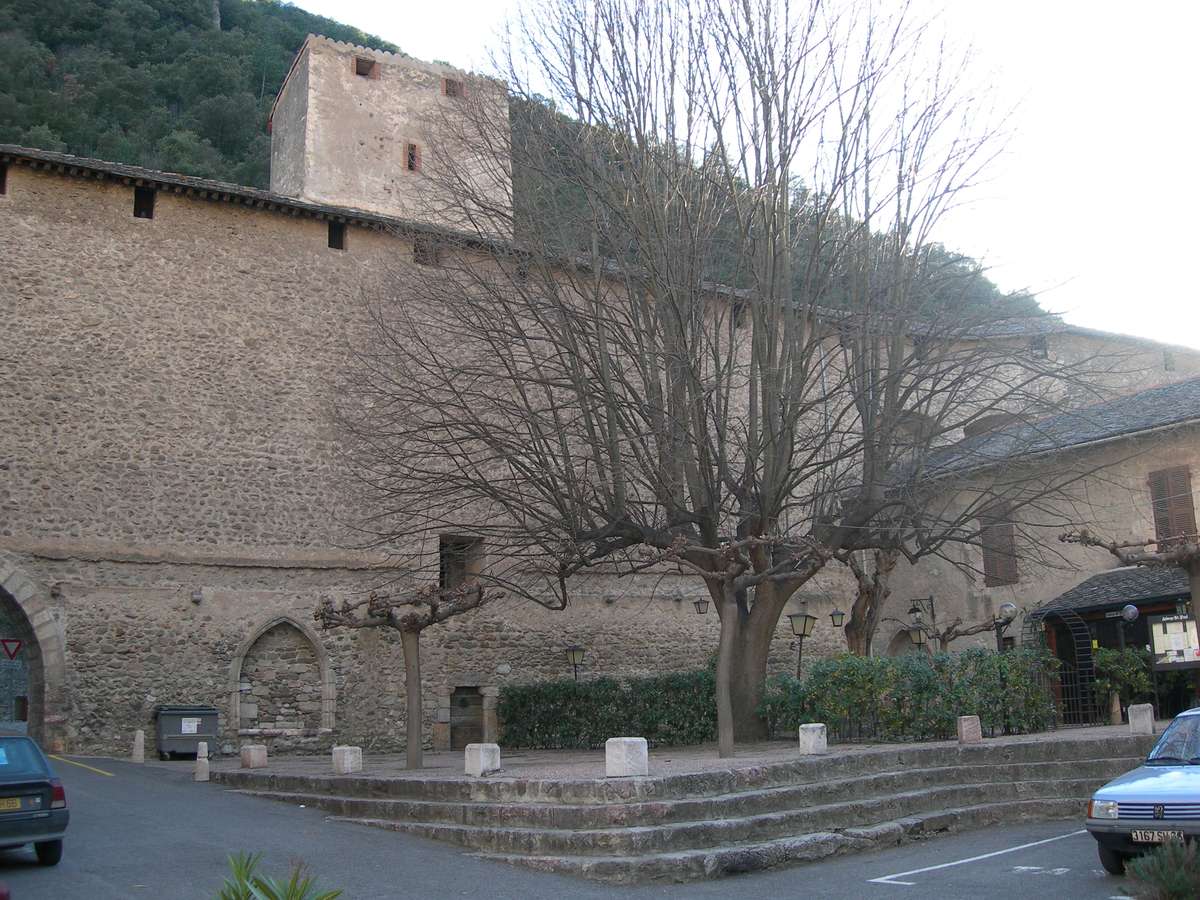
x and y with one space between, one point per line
139 747
482 759
813 739
969 730
1141 718
201 773
347 760
625 757
254 756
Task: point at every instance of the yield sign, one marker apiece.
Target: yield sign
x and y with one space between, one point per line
11 647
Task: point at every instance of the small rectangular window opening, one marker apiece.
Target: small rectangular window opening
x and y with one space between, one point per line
337 235
1168 356
425 251
1039 347
367 68
412 157
3 179
458 559
452 87
143 202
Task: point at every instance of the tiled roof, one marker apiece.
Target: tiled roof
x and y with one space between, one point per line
1127 585
1167 405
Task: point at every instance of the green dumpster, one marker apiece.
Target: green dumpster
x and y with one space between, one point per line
178 729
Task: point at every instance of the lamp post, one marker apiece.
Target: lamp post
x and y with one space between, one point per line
1004 618
802 626
701 606
575 658
916 630
837 617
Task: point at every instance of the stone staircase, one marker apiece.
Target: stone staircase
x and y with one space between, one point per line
708 824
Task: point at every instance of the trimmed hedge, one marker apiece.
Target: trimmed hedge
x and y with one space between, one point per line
913 697
667 710
916 697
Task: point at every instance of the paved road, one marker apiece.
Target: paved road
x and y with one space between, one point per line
148 831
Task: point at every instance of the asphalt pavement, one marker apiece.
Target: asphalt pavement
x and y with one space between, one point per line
149 831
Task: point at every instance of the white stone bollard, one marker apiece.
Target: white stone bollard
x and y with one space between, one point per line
139 747
813 739
1141 718
482 759
347 760
969 730
201 772
625 757
254 756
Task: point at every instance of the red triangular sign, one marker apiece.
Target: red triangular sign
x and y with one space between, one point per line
11 647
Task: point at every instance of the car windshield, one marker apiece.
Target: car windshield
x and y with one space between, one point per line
1179 744
19 758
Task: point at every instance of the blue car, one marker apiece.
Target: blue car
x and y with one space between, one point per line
1157 802
33 804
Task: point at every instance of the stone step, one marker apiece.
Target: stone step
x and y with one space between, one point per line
602 791
639 840
743 803
734 859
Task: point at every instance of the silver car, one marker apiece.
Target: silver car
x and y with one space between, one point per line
1158 801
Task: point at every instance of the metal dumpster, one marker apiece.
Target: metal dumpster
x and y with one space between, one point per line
178 729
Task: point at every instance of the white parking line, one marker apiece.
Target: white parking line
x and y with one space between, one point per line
890 879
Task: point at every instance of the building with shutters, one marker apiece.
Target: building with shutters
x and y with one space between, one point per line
1138 460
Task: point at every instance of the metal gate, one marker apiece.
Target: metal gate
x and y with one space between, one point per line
1074 688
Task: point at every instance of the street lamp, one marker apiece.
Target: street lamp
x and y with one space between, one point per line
837 617
1004 617
916 631
701 606
802 626
575 658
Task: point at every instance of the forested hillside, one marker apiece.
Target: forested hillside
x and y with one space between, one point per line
153 82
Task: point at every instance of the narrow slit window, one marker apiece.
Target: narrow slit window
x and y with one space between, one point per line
412 157
143 202
337 235
3 179
1168 356
452 87
1039 346
459 560
367 68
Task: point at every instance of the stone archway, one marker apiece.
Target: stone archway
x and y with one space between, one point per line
26 610
268 633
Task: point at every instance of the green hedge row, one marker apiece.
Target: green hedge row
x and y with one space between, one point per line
667 710
915 696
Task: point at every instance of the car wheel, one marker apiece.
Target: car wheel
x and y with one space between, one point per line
164 755
48 852
1113 862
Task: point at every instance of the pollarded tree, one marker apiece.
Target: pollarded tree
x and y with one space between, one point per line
609 406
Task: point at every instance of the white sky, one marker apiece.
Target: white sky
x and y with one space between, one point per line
1091 205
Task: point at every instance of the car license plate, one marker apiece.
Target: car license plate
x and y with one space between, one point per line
1155 837
8 804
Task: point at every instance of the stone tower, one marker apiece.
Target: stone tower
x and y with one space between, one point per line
389 134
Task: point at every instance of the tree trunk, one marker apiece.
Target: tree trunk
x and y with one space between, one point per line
858 637
410 641
750 673
727 674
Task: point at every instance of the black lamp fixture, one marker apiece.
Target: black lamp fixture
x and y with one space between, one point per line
802 626
916 631
575 658
701 606
837 617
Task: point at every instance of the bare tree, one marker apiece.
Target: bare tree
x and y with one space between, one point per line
721 342
410 613
1181 550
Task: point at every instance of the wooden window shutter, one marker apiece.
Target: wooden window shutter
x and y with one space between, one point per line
1171 500
998 536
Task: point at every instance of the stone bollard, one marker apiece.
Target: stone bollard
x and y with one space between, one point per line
254 756
625 757
139 747
969 730
347 760
1141 718
813 739
201 772
482 759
